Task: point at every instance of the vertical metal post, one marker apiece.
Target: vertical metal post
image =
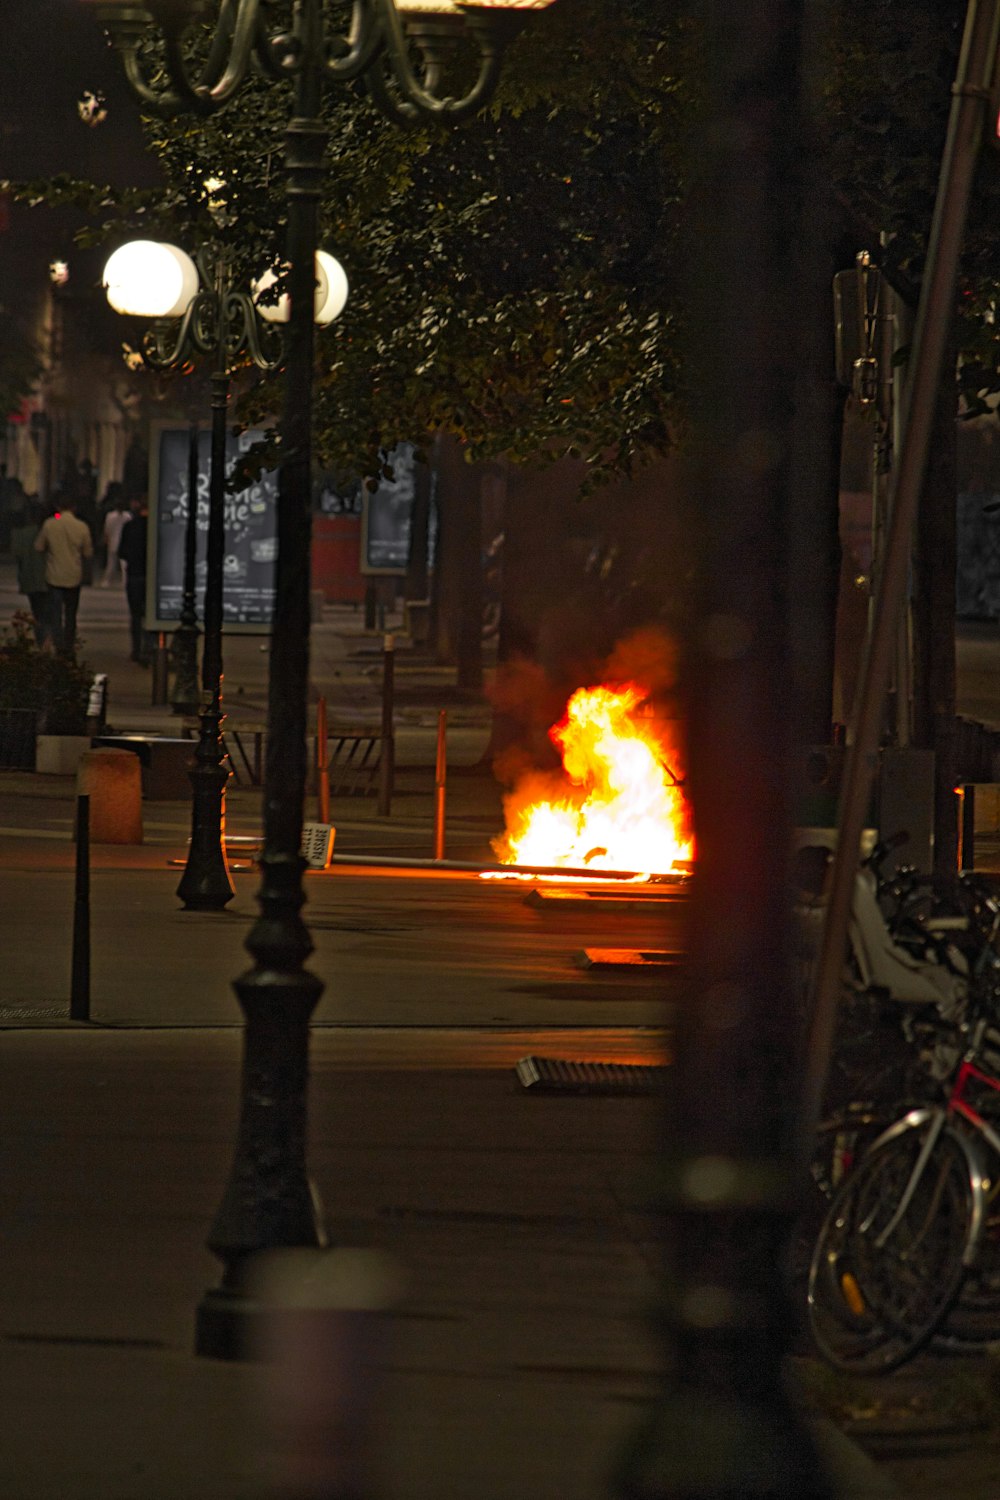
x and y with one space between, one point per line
440 779
206 884
160 679
723 1424
965 798
269 1200
185 644
79 994
322 763
387 760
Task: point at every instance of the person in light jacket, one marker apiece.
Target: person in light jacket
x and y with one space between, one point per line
65 542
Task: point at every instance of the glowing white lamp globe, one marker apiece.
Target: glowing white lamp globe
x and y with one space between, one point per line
328 300
336 278
147 279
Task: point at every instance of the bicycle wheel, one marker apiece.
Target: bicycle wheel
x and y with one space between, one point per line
974 1320
882 1279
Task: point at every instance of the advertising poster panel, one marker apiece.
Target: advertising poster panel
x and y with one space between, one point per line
387 517
251 545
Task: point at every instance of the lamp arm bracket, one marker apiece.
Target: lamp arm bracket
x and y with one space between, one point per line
418 99
228 60
164 346
246 331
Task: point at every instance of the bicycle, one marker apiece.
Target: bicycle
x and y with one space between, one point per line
907 1226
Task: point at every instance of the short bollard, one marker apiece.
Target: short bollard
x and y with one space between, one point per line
161 671
112 779
387 759
322 763
440 781
79 989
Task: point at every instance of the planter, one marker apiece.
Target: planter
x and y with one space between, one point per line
59 754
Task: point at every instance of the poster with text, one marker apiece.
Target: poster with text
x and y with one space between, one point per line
251 544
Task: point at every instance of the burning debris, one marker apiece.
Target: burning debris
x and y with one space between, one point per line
618 803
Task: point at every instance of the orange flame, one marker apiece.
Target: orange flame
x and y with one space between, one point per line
618 804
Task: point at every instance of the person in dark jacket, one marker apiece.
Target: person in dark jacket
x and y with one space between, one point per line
132 553
31 566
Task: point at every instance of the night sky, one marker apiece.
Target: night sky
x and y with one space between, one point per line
51 51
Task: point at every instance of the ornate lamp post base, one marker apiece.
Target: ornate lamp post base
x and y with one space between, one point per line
269 1202
185 655
206 884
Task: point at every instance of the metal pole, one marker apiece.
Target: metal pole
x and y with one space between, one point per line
322 762
387 759
206 884
160 677
934 318
79 994
269 1201
722 1425
185 643
440 778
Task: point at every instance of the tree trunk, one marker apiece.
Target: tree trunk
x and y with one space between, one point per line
417 562
457 622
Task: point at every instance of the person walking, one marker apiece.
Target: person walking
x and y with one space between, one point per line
132 554
114 522
31 566
65 542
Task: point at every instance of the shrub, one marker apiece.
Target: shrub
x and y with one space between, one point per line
56 687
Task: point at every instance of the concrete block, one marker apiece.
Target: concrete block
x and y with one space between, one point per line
59 754
112 779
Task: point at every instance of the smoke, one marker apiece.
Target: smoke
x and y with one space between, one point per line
530 703
647 657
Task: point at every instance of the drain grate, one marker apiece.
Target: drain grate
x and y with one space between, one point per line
553 1075
54 1010
92 1341
630 958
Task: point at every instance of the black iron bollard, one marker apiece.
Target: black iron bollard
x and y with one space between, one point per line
387 766
79 993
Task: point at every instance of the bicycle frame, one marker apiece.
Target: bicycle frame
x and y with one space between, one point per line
959 1105
979 1178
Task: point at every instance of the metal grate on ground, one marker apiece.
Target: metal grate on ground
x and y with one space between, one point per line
554 1075
53 1010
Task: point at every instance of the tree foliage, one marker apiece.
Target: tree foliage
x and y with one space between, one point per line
511 281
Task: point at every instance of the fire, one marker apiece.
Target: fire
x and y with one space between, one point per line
618 804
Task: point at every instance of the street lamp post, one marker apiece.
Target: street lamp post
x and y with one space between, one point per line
269 1201
185 642
217 320
147 278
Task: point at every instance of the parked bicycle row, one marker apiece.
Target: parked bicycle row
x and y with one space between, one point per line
907 1162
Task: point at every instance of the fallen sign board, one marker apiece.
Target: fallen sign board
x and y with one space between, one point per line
631 898
317 845
630 958
554 1075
